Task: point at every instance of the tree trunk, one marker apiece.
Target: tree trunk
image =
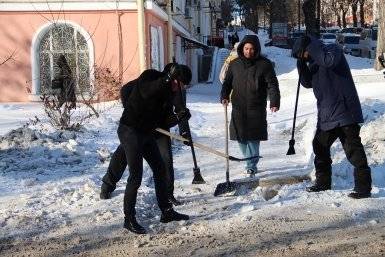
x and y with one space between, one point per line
362 13
344 18
309 9
354 12
339 19
381 34
278 12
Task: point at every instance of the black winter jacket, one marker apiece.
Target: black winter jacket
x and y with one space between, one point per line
329 75
148 102
251 81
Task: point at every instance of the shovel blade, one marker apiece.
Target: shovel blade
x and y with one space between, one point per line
291 149
224 188
198 179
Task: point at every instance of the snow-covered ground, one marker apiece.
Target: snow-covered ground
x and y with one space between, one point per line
50 183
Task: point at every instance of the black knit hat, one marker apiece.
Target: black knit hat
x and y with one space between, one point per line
186 74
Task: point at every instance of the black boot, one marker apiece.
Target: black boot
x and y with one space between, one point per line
360 195
362 184
174 201
171 215
317 188
105 192
132 225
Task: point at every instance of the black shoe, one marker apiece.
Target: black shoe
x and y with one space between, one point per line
356 195
105 191
104 194
171 215
174 201
317 188
132 225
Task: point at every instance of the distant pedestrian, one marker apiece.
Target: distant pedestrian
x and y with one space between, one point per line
232 56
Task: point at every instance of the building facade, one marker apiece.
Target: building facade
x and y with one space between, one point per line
90 34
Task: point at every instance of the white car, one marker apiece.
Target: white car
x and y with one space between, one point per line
328 38
350 43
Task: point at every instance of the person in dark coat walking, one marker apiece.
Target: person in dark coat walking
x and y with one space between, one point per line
250 78
143 113
118 161
325 69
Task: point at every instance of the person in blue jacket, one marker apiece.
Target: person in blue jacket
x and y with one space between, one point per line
325 69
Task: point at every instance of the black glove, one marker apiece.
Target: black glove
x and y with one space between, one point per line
186 135
301 64
183 115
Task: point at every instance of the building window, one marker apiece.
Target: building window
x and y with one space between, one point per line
67 40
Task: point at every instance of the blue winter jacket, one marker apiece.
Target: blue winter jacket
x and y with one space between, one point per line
329 75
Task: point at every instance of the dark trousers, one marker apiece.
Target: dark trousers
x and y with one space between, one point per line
118 165
137 146
354 150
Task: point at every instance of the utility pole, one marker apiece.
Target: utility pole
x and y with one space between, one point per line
170 49
141 36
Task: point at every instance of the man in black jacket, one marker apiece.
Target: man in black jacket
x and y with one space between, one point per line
118 161
250 78
325 69
144 111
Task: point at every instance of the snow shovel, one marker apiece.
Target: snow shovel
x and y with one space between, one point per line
205 147
291 149
198 179
226 187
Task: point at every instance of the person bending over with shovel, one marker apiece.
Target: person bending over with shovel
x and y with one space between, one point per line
142 114
118 161
250 78
325 69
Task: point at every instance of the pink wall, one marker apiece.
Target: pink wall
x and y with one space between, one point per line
18 29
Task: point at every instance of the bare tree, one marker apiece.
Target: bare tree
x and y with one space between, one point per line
9 57
362 12
354 5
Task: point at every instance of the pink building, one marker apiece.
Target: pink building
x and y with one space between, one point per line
88 33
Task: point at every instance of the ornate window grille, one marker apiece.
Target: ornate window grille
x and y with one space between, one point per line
64 39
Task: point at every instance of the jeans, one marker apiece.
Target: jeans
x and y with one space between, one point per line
250 148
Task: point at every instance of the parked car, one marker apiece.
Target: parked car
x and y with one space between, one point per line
350 30
328 38
332 30
368 42
350 43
